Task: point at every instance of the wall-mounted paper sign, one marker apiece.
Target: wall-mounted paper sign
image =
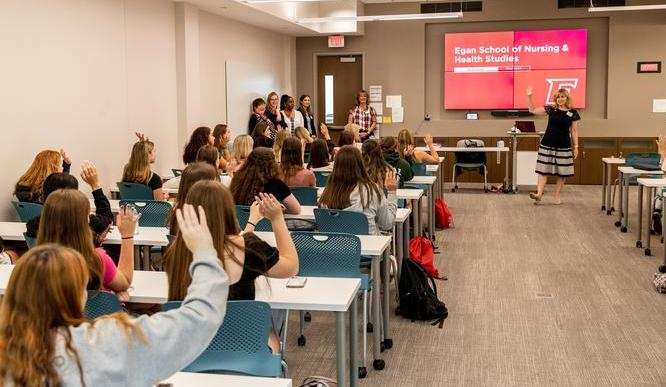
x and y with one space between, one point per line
393 101
659 105
375 94
397 114
378 107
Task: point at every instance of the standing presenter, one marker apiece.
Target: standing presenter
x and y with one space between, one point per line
559 145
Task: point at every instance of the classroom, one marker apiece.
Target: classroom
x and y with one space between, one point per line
319 193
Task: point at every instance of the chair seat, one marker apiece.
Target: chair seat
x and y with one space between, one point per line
237 363
468 165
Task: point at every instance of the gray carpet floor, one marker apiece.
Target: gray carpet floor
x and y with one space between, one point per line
537 295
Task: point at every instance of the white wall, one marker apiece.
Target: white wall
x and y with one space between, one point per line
84 74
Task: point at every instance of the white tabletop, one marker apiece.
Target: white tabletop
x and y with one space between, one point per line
633 171
307 212
432 167
371 245
612 160
402 214
171 191
470 149
190 379
428 180
652 183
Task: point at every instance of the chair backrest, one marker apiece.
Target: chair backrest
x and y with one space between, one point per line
328 254
321 178
176 172
134 191
241 343
243 215
153 213
470 158
341 221
27 211
307 196
470 142
30 241
419 169
101 303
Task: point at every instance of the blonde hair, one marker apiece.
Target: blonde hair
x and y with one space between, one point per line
45 163
303 134
242 147
564 93
355 129
137 169
279 140
404 139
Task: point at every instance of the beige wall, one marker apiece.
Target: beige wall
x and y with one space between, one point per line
84 74
406 58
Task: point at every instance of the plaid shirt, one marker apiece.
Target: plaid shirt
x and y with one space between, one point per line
272 130
363 118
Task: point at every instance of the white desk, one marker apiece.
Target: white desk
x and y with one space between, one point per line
487 149
190 379
652 185
626 173
607 163
429 181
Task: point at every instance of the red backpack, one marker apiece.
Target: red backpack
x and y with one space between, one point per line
443 215
421 252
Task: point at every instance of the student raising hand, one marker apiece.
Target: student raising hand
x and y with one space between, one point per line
89 175
194 230
269 207
65 157
391 180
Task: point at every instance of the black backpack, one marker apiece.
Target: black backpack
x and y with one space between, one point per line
417 295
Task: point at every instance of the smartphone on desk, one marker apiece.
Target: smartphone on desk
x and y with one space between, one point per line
296 282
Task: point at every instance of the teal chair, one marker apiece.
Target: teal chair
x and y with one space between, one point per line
134 191
419 169
27 210
307 196
30 241
350 222
333 255
241 343
101 303
153 213
243 215
321 178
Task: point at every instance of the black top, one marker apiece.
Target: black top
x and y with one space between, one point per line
155 181
273 118
278 188
26 194
309 122
260 257
558 130
262 141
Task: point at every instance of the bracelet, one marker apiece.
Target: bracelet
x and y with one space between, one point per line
129 237
253 225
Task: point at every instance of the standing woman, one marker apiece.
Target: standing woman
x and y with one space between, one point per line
292 117
304 106
222 134
273 110
364 116
259 115
559 145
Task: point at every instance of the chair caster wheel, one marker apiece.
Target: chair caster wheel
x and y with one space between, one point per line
388 343
603 208
362 372
378 364
301 341
609 212
639 244
369 328
618 223
307 317
662 269
623 229
648 252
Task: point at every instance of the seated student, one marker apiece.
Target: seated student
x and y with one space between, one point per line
414 156
208 154
191 174
222 134
302 134
356 131
319 155
277 146
349 188
261 136
242 255
374 162
243 146
293 172
201 136
346 138
260 173
259 115
29 186
6 258
65 221
323 131
45 339
137 170
389 147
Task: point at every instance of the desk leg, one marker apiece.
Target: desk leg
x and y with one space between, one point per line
386 304
405 246
639 241
137 257
625 206
377 363
506 171
621 200
514 168
603 187
146 258
353 341
431 215
399 246
416 209
663 227
609 182
341 353
648 221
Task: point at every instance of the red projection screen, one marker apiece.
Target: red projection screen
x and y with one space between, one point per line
492 70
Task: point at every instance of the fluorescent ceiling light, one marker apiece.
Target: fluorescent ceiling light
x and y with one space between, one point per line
628 8
283 1
406 16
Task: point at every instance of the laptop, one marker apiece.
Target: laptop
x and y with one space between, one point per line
526 126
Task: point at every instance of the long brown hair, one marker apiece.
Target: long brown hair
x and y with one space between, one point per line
199 137
45 163
320 155
279 141
348 173
291 159
64 221
404 139
374 162
220 143
221 218
45 292
191 174
208 154
137 169
250 179
346 138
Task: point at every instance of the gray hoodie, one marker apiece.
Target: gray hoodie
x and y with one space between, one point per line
173 339
380 211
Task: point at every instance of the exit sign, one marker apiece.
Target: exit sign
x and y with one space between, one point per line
336 41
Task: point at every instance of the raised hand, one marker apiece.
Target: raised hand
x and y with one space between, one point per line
65 157
409 150
90 176
661 145
127 220
255 212
391 180
193 229
141 136
428 139
270 207
323 129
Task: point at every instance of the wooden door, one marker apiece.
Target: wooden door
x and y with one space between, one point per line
591 151
344 73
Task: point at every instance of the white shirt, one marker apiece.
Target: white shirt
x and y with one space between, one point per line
291 125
